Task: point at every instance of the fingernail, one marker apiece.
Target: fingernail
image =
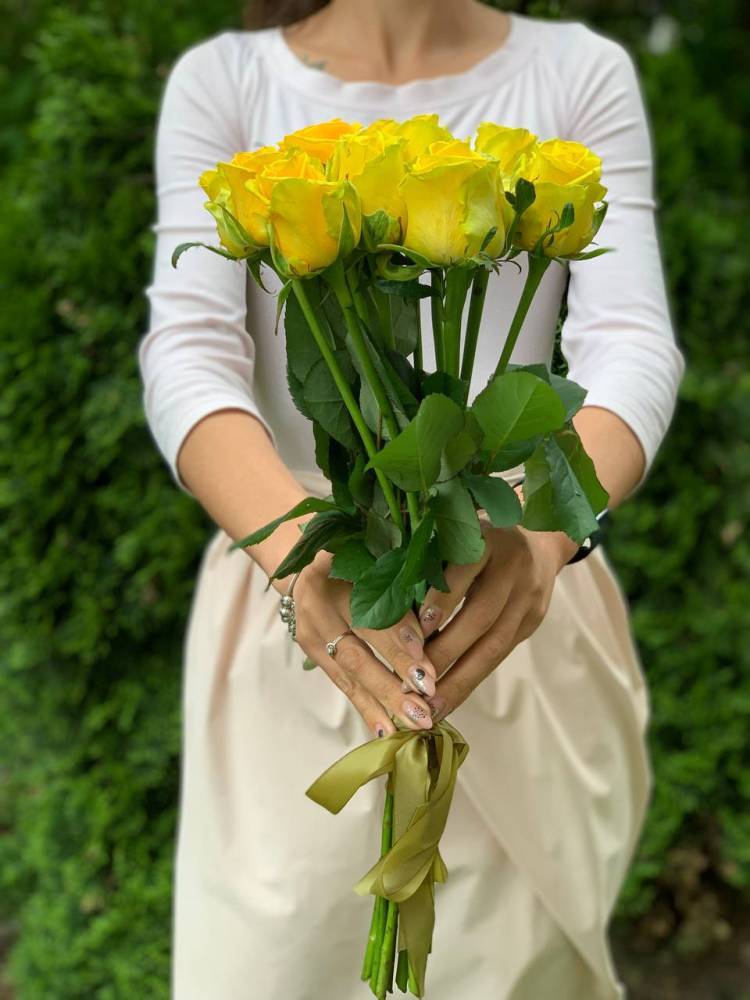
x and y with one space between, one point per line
379 730
421 680
438 707
417 714
430 619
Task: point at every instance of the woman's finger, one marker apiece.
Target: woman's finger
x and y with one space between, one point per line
360 664
482 608
478 662
402 646
375 716
437 607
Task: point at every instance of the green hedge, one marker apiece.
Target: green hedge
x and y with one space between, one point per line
100 549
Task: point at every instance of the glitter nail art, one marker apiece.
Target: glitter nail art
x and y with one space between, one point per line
415 712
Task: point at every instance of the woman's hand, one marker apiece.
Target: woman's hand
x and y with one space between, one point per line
322 613
507 596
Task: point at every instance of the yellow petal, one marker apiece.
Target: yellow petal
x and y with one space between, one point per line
507 145
436 209
307 221
378 182
250 210
419 132
319 140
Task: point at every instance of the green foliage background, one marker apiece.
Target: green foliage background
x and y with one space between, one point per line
100 550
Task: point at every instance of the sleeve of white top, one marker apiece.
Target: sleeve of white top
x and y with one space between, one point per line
618 337
196 356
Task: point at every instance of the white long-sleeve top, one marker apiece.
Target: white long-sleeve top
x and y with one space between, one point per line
210 344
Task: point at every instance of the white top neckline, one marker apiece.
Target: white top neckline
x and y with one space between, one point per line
500 64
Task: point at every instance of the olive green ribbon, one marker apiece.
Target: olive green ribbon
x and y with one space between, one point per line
423 765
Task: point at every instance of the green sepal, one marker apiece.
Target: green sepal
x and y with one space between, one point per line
253 266
280 300
412 254
180 250
379 227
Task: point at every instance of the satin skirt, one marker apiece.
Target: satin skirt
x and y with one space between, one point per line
547 811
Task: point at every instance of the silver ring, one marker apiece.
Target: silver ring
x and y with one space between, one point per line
332 645
287 611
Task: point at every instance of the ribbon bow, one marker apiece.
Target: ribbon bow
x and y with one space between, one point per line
422 765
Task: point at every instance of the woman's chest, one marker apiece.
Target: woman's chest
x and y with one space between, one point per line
529 100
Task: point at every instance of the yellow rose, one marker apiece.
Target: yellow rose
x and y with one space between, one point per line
374 163
452 201
219 196
251 177
563 162
562 172
419 132
311 223
509 146
319 140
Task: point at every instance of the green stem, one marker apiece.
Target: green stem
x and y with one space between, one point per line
381 904
347 397
371 940
388 953
456 285
438 316
345 296
473 322
371 961
537 266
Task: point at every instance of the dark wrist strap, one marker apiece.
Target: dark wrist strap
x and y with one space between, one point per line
595 538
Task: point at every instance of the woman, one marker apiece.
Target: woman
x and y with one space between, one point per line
545 682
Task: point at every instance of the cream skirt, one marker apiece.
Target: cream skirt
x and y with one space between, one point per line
547 810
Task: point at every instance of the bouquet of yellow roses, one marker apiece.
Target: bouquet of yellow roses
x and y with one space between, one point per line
360 223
